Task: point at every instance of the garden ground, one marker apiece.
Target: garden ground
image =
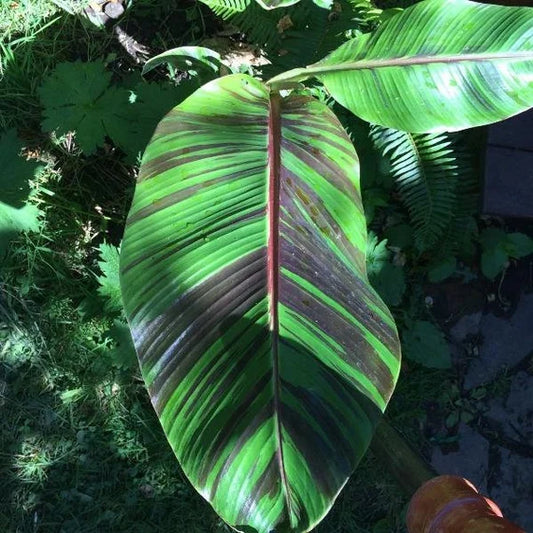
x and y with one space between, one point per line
80 447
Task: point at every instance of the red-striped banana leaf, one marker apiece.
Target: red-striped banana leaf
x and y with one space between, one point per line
440 65
268 356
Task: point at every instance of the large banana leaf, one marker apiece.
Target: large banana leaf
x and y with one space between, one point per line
267 355
439 65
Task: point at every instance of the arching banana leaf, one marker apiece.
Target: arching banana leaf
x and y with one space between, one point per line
439 65
267 355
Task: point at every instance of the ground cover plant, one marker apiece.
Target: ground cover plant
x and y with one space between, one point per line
81 447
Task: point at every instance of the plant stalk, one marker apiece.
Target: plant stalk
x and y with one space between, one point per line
407 465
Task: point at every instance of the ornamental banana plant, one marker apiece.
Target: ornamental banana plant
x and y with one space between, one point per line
268 356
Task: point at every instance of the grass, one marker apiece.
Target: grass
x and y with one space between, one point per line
24 17
81 449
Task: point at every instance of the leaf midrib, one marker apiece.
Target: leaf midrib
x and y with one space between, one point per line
318 69
273 272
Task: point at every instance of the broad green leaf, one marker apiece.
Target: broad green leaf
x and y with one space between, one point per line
492 237
79 97
268 356
324 4
439 65
122 351
424 343
498 246
187 58
377 253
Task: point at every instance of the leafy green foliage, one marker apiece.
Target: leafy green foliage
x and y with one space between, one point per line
122 352
109 280
79 97
213 144
15 170
146 105
79 433
16 214
498 247
424 343
436 180
303 33
227 8
388 279
426 169
426 63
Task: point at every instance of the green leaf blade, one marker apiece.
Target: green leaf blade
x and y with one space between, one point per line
439 65
187 58
268 356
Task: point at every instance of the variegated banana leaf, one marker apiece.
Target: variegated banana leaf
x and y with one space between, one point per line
267 355
440 65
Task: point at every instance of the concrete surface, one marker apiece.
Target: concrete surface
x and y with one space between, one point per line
495 450
505 342
508 187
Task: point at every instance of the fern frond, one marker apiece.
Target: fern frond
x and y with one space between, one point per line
313 31
227 8
260 26
458 237
426 169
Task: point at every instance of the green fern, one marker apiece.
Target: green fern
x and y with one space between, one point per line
313 32
426 168
458 237
227 8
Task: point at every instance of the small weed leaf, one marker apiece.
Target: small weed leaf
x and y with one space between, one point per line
123 352
109 280
389 282
493 261
498 246
424 343
377 254
386 278
519 245
78 97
